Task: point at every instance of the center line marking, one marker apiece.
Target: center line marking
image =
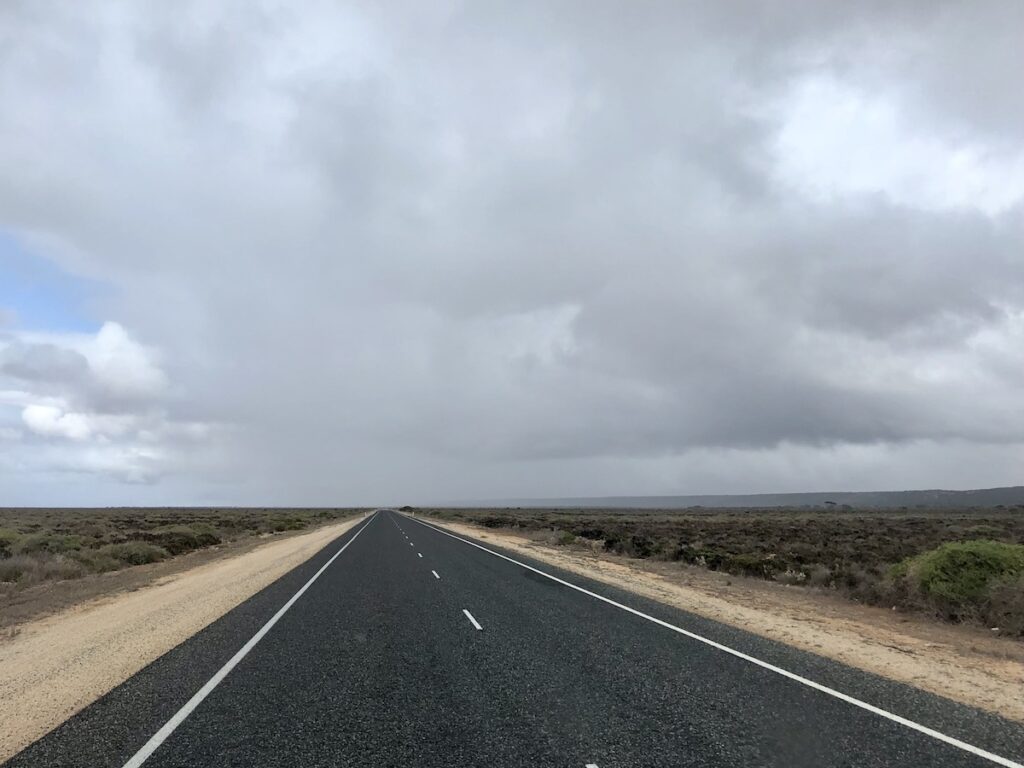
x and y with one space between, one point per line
435 575
891 716
472 621
168 728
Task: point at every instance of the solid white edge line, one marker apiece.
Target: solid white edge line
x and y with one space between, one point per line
472 621
178 718
938 735
435 575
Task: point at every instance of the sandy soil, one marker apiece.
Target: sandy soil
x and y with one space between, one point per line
52 667
960 663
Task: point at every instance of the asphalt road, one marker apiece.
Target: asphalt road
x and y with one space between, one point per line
402 645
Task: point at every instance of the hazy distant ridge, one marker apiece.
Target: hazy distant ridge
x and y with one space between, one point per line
984 497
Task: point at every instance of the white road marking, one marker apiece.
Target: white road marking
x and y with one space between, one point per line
419 554
938 735
411 544
590 765
178 718
472 621
435 575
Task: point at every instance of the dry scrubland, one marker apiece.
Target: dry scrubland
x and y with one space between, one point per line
964 566
38 546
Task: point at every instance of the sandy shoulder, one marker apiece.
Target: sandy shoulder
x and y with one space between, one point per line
959 663
55 666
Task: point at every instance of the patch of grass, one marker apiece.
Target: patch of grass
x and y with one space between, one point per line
25 570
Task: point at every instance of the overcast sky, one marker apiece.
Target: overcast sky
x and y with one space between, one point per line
310 253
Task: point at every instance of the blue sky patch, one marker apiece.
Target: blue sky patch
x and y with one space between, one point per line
42 295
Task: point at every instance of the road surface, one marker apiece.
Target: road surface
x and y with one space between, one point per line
404 645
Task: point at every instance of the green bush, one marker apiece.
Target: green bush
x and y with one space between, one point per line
133 552
564 538
956 578
962 571
178 539
52 543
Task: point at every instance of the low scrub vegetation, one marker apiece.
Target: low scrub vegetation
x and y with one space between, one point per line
979 580
959 565
41 545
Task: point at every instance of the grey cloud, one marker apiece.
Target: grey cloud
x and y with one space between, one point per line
43 363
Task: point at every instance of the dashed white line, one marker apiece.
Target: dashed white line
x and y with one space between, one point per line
435 575
472 621
411 544
937 735
178 718
419 554
590 765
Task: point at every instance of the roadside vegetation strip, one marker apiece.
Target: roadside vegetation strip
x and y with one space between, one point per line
875 557
179 717
923 729
43 545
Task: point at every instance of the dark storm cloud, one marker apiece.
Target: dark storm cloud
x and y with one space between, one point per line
491 250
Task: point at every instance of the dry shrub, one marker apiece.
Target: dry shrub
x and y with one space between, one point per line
26 570
1005 606
133 552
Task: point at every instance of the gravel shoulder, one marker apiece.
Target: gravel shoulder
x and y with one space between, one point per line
52 667
960 663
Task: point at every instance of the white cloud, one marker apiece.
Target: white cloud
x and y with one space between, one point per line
123 366
836 140
52 422
112 421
